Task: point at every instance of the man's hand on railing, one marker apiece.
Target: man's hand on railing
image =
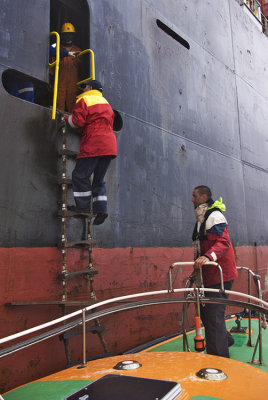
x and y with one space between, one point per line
73 53
200 261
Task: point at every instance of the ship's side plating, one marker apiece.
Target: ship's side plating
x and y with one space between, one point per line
191 115
193 103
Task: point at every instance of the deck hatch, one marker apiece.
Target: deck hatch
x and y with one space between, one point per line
117 387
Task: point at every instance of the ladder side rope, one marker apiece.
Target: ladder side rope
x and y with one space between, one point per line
65 245
63 219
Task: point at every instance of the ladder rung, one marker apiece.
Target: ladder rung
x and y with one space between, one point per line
69 213
64 181
90 272
79 243
66 152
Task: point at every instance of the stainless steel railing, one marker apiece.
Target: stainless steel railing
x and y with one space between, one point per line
68 322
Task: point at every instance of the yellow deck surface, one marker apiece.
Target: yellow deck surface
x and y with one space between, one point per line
244 381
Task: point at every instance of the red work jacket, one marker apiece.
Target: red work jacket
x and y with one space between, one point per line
219 249
94 116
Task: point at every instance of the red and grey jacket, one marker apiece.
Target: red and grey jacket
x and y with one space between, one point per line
94 116
215 244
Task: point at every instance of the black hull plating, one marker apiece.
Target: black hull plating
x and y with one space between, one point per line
192 116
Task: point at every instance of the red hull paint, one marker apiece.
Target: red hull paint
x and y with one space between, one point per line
31 274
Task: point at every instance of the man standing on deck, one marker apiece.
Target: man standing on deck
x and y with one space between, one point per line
212 243
94 116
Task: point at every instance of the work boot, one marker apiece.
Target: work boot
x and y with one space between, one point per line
100 218
230 339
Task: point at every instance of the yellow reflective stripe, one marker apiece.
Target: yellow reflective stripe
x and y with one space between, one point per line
91 93
93 100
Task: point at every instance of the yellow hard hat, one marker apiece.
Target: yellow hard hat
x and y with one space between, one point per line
67 27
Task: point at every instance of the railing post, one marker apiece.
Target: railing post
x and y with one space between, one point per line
56 63
170 279
249 343
84 336
257 282
259 339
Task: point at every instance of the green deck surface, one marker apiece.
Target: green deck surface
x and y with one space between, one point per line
235 351
46 390
205 398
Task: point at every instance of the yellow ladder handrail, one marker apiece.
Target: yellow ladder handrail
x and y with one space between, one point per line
92 77
56 63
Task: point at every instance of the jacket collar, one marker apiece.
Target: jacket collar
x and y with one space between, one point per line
89 93
217 204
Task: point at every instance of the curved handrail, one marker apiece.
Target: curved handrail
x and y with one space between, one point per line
182 263
56 63
116 299
256 279
119 308
92 77
196 296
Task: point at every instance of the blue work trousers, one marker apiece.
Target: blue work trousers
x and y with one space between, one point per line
213 318
83 189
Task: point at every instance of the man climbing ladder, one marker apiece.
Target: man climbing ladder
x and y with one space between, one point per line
94 116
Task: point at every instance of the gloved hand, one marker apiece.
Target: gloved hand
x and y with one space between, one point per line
73 53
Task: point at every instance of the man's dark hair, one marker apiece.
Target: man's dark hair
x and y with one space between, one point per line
204 190
94 84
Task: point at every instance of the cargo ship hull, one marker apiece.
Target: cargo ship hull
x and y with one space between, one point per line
191 86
